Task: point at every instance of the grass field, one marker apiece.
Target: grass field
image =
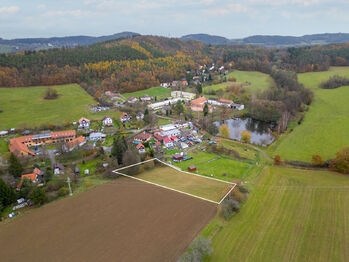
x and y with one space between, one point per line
159 92
324 130
195 185
257 80
290 215
242 150
26 107
208 164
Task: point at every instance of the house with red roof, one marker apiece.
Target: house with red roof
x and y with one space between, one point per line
34 177
76 142
167 142
142 137
124 118
141 148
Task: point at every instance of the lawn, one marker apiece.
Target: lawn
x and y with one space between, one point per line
159 92
162 121
290 215
257 81
220 167
243 151
195 185
324 130
26 107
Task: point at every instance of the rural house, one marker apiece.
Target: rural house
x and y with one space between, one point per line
167 142
76 142
146 98
140 116
141 148
96 136
84 123
107 121
142 138
124 118
132 100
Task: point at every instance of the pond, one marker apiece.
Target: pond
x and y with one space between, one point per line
261 132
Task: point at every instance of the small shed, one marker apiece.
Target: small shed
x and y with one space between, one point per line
192 168
177 157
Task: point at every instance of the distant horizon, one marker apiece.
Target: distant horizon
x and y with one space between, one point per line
232 19
230 38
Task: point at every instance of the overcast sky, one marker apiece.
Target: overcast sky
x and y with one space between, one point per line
229 18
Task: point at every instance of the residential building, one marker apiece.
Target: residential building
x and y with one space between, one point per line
107 121
58 169
84 123
19 145
158 137
141 148
142 137
165 85
184 82
75 143
125 118
140 116
146 98
177 158
3 133
237 106
197 105
132 100
34 177
96 136
167 142
175 83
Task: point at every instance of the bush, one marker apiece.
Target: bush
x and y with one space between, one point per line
37 196
316 160
51 93
55 185
63 191
277 160
200 248
335 82
229 207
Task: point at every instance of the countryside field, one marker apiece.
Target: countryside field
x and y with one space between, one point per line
159 92
195 185
220 167
290 215
123 220
26 107
257 80
324 130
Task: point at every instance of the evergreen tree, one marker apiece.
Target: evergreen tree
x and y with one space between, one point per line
206 110
199 89
15 168
37 196
7 195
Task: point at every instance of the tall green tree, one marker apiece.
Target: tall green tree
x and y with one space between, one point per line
15 167
119 148
37 196
199 89
7 195
206 110
179 107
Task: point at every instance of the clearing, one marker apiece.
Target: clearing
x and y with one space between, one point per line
158 91
324 130
124 220
290 215
257 81
170 177
24 104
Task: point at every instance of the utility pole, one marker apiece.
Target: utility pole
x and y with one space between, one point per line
68 181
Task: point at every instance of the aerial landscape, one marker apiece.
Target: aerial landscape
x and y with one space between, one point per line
181 131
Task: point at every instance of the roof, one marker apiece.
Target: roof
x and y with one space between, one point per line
123 115
166 139
157 143
142 136
192 167
31 177
106 118
225 101
174 137
76 142
158 137
199 101
140 145
84 119
37 171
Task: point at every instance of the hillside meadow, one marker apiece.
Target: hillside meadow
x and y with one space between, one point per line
324 130
290 215
255 81
158 91
26 107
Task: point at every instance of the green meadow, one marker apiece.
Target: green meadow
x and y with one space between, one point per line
26 107
256 81
290 215
159 92
324 130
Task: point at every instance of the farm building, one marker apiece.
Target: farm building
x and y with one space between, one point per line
178 94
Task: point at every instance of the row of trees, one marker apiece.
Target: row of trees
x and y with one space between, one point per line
335 82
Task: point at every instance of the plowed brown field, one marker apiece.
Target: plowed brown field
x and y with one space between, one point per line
124 220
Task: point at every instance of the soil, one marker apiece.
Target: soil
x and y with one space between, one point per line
124 220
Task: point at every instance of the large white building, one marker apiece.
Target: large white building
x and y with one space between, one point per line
187 95
159 105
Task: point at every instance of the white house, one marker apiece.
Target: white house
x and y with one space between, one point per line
146 98
140 116
132 100
107 121
84 123
159 105
238 106
165 85
3 133
96 136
